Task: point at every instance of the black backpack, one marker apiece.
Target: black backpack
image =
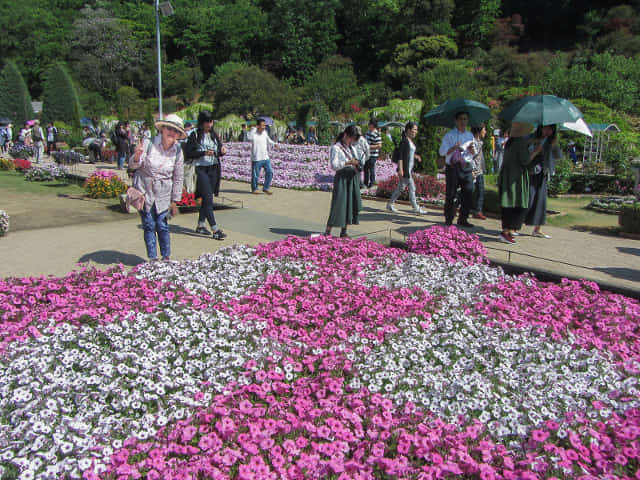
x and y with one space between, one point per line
114 137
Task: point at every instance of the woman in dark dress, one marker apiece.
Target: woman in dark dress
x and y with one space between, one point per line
541 168
346 202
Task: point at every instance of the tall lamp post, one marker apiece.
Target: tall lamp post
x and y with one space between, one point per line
166 9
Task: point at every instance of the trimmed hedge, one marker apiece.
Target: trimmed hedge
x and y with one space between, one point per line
600 183
629 218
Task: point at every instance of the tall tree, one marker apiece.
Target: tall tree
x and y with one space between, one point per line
474 20
105 54
15 100
59 97
301 35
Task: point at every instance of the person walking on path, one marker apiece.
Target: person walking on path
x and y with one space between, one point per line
479 133
52 133
542 167
375 143
205 148
158 166
407 160
513 180
38 140
457 148
260 142
346 202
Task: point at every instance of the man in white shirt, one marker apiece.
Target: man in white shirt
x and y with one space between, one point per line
260 142
459 174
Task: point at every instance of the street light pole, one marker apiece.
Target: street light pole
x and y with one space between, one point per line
159 58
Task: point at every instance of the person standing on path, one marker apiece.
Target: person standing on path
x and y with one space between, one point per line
542 167
457 148
479 133
375 143
158 166
346 202
38 140
121 144
513 180
204 146
52 133
260 142
407 160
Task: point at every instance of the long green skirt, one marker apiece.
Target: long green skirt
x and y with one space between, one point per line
346 202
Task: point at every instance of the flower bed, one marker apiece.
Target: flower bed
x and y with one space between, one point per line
294 166
4 223
428 189
20 150
104 184
188 200
21 164
317 358
7 164
450 243
611 204
46 172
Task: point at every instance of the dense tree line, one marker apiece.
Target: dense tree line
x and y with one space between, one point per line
250 56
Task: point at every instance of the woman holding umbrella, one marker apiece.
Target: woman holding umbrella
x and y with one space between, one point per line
541 168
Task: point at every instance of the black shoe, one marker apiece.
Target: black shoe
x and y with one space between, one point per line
203 231
465 224
219 235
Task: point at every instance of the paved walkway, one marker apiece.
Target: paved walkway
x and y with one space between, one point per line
613 262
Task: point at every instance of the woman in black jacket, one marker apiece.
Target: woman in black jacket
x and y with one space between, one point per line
205 148
407 159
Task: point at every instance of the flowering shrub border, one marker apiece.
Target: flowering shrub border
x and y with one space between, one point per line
46 172
428 189
104 184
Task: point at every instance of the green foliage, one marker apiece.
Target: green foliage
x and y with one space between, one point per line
427 142
301 35
303 114
323 128
221 71
387 146
192 112
70 135
629 218
622 147
181 80
561 181
610 79
7 165
417 55
333 84
59 98
129 104
15 100
474 20
398 110
516 69
252 91
106 54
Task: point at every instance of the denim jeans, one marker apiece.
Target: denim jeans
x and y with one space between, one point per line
370 171
121 159
403 184
152 223
255 173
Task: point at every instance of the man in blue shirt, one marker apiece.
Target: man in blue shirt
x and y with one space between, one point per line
458 150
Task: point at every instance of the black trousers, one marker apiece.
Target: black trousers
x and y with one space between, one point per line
513 217
206 180
458 178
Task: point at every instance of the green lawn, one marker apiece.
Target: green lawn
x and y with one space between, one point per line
15 181
573 214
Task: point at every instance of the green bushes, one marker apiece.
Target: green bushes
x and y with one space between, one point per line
629 218
599 183
491 201
561 181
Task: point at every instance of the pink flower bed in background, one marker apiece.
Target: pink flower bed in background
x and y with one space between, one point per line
294 166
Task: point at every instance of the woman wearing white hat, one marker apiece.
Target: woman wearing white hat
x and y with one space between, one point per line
159 172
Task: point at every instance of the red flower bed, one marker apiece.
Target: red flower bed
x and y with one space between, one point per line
428 188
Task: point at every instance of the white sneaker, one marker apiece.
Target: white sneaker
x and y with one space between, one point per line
392 208
419 211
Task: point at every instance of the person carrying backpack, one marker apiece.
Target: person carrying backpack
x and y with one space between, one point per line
405 156
38 140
